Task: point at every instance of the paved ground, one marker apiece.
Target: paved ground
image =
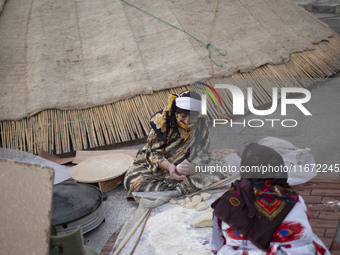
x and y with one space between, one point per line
320 6
320 132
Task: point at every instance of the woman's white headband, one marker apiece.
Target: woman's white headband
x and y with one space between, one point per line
188 103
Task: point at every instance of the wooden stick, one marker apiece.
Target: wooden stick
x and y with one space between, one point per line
112 125
132 231
83 132
108 124
141 232
74 130
143 115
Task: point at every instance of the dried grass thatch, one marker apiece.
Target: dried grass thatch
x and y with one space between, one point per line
59 131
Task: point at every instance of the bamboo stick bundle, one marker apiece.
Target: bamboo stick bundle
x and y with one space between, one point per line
109 125
97 127
24 131
153 103
72 126
90 129
265 84
11 135
30 135
75 130
56 121
137 127
61 130
42 129
48 130
21 134
46 125
17 134
86 135
65 137
124 108
13 138
37 130
14 134
57 133
51 133
267 81
131 120
119 123
79 130
2 134
102 119
160 100
8 134
122 121
142 115
147 103
106 125
83 130
133 117
113 128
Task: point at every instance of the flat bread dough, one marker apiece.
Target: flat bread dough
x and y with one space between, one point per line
204 220
196 199
202 206
205 196
101 168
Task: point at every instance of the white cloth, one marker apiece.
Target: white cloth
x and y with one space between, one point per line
187 103
292 237
299 161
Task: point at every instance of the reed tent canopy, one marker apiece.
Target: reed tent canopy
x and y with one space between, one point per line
81 74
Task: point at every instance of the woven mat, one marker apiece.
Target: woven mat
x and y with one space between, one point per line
80 54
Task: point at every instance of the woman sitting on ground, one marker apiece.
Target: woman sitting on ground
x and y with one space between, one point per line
261 214
178 140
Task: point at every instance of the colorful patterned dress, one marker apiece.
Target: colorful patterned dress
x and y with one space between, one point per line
293 236
145 174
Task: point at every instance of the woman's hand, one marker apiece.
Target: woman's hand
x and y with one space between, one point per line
174 174
172 170
186 168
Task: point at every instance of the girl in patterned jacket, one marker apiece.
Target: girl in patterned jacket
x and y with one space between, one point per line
261 213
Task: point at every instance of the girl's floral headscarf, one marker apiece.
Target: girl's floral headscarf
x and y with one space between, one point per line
258 203
165 122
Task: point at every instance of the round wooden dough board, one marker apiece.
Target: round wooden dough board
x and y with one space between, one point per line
101 168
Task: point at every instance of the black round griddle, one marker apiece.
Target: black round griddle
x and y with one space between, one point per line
72 201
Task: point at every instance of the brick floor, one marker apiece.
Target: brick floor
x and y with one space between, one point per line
322 196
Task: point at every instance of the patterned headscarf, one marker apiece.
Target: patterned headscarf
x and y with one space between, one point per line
257 204
165 121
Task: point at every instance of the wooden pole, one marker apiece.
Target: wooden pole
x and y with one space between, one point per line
132 231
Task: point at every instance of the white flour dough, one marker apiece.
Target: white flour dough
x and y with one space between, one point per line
202 206
205 196
205 220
